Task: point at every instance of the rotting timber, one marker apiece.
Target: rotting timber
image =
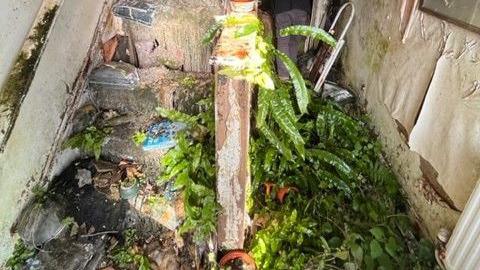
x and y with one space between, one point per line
233 99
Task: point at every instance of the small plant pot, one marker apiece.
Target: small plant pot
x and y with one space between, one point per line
241 255
242 6
268 187
283 192
129 190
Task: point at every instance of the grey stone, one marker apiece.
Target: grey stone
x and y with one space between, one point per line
159 87
175 37
66 254
40 223
84 117
114 76
141 11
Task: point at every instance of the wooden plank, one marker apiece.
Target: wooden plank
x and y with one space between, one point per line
232 118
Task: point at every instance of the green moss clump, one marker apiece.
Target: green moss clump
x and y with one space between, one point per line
21 76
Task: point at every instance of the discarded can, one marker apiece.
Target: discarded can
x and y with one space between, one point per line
140 11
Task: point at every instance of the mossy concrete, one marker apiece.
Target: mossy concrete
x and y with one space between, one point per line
42 112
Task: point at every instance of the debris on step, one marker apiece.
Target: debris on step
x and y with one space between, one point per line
84 117
69 254
162 211
161 135
109 48
175 36
140 11
84 177
114 76
41 222
164 260
120 146
77 226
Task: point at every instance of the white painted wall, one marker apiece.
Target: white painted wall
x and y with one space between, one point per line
16 19
41 114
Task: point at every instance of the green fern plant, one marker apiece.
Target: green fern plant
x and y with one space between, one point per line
309 31
90 140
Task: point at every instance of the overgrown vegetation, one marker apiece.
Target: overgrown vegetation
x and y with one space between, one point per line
348 213
128 254
90 140
191 164
21 254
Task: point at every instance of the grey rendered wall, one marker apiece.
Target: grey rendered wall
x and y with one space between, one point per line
43 110
423 97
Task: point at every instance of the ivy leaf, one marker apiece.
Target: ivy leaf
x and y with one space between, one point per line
377 232
342 255
301 91
391 247
182 180
357 252
375 249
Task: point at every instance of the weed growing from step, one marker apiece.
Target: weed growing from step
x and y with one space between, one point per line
90 140
126 255
139 137
21 254
189 82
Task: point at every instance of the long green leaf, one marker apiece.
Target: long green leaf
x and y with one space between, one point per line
281 112
341 166
263 105
177 116
211 33
275 141
309 31
301 91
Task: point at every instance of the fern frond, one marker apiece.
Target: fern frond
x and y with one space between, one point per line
309 31
282 113
340 166
211 33
301 91
275 141
263 105
178 116
333 180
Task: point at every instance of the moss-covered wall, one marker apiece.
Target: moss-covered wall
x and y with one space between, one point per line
43 109
16 19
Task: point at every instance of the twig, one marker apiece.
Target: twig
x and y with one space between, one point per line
99 233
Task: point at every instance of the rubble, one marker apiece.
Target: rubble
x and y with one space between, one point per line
139 11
